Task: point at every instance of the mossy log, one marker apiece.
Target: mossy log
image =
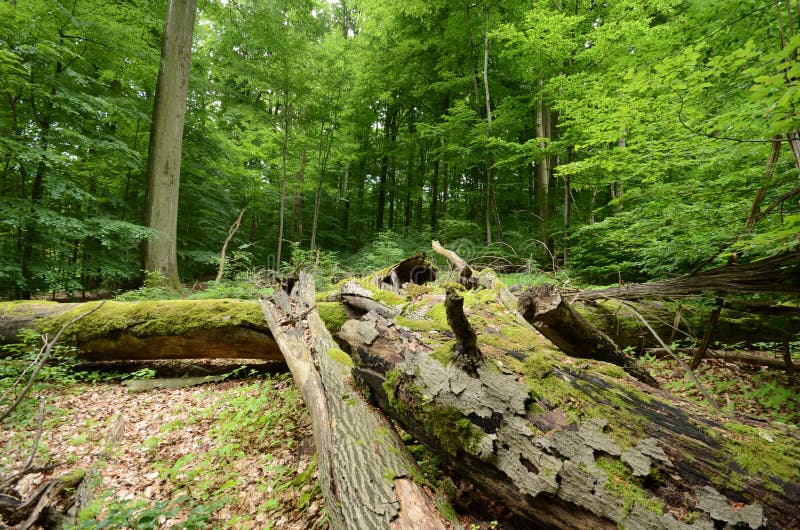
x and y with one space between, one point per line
566 442
554 317
366 473
167 329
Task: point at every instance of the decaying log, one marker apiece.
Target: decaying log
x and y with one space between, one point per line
730 356
169 329
777 274
565 446
465 276
365 470
545 308
415 270
361 298
25 513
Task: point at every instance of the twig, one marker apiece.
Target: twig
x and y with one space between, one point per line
682 364
45 353
39 427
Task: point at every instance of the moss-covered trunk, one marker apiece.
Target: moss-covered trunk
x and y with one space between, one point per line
168 329
566 442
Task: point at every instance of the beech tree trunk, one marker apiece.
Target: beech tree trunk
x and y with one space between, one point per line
166 139
153 330
365 470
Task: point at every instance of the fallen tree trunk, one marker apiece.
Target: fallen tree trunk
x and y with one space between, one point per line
566 442
365 470
168 329
777 274
729 356
545 308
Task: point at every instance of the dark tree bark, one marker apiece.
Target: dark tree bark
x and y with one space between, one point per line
545 308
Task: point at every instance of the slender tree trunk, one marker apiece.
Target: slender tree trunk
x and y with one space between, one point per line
389 138
166 139
346 198
543 166
491 207
284 162
299 204
322 165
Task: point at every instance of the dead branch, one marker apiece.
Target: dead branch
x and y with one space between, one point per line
231 232
682 364
43 356
466 341
777 274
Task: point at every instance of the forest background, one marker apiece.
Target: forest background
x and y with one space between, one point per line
612 141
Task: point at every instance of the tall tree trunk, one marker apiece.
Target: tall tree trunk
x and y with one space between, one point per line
284 162
390 135
543 167
489 158
299 204
346 198
166 139
322 164
435 196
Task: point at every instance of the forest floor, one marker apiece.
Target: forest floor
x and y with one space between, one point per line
239 453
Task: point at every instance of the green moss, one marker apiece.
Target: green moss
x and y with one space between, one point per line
538 366
391 381
611 370
161 317
453 431
449 426
417 325
333 314
446 509
623 485
444 353
761 452
439 315
381 295
389 475
327 296
414 290
340 357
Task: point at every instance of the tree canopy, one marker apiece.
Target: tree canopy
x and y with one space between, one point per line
622 140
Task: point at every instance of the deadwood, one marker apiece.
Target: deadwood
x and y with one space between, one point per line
150 330
777 274
554 317
562 442
365 470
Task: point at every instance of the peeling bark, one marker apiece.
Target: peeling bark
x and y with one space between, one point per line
568 443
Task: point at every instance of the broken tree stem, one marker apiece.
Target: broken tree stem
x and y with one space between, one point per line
231 232
466 340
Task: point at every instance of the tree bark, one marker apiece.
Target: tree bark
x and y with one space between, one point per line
166 139
171 329
777 274
547 311
365 470
566 444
